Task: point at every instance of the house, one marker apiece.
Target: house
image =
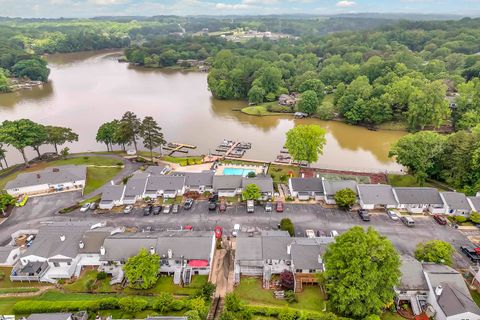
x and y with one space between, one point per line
81 315
413 287
306 188
474 203
287 100
449 295
227 186
182 254
373 196
135 188
418 200
273 252
264 182
49 180
456 203
53 255
198 181
165 186
112 196
9 255
331 188
157 170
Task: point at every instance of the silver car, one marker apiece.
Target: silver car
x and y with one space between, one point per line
85 207
128 209
393 215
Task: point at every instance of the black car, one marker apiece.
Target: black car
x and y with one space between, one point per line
212 206
364 215
213 198
147 210
188 204
156 210
471 253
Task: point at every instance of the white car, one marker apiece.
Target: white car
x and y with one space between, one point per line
236 230
128 209
310 233
334 233
393 215
85 207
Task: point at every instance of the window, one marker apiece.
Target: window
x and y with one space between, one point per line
56 264
69 263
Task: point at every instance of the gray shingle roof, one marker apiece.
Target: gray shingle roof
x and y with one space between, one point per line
307 184
265 183
455 298
112 192
5 253
53 175
408 195
49 316
155 170
331 187
227 182
249 248
156 183
135 185
305 255
196 179
275 247
412 274
377 194
476 203
456 200
93 240
47 243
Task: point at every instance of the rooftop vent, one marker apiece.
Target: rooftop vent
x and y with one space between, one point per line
438 290
152 250
102 250
170 253
62 237
81 245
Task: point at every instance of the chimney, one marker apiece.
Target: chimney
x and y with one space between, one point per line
320 260
81 244
102 250
62 237
318 175
289 248
170 253
152 250
303 175
438 290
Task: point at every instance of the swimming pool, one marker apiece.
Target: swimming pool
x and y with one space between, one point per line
236 172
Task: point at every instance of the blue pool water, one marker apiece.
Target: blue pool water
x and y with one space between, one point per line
236 172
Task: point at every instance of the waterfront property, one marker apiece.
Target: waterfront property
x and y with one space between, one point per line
418 200
331 187
456 203
197 181
239 169
307 188
49 180
376 196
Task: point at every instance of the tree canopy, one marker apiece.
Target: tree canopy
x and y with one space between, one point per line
361 267
141 270
345 198
305 142
251 192
436 251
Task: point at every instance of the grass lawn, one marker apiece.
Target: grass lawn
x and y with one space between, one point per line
475 296
391 316
80 285
183 160
277 171
98 176
6 283
266 109
165 284
407 180
250 290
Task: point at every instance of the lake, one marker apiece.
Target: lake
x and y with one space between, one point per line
89 88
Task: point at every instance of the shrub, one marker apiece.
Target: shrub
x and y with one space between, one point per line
290 296
287 225
287 280
183 163
199 305
192 315
232 303
31 306
132 305
2 275
89 285
287 314
460 219
18 290
163 303
190 161
177 305
475 217
102 275
206 291
372 317
108 303
198 161
119 163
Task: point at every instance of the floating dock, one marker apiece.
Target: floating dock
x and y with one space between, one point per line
178 147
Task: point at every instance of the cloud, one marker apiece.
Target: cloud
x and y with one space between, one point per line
345 4
232 6
106 2
260 2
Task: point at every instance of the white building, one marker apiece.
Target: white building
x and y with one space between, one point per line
331 187
306 188
49 180
456 203
419 200
376 196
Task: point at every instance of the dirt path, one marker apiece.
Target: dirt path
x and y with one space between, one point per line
222 270
27 294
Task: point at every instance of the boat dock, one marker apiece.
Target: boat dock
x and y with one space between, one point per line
233 149
178 147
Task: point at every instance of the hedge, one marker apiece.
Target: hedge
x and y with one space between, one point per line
32 306
268 311
18 290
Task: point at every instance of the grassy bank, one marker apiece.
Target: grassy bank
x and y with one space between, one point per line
407 180
266 109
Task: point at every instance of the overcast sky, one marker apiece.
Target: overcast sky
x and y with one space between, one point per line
90 8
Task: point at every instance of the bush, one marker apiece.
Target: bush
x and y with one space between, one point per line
326 111
132 305
102 275
163 303
183 163
475 217
206 291
89 285
460 219
177 305
191 161
287 314
287 225
198 161
108 303
192 315
2 275
18 290
274 312
290 296
199 305
287 280
31 306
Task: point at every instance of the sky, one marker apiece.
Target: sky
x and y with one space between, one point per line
91 8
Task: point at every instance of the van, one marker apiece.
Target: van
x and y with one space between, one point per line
408 221
250 206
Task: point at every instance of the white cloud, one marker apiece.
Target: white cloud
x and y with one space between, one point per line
260 2
106 2
229 6
345 4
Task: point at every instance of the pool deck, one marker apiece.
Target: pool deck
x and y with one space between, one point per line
219 171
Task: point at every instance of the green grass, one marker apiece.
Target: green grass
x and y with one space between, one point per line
80 285
181 160
250 290
266 109
165 284
256 111
18 290
391 316
6 283
475 296
277 171
397 180
98 176
92 199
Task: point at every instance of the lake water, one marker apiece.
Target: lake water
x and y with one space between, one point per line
89 88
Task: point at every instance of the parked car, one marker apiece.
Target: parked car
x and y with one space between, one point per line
128 209
147 210
440 220
279 206
236 230
364 215
250 206
85 207
167 208
156 210
175 208
268 207
213 198
310 233
408 221
471 253
188 228
93 206
188 204
334 233
393 215
223 206
212 206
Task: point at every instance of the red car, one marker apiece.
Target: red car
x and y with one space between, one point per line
440 220
279 206
189 228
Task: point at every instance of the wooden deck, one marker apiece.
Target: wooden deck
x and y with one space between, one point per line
179 147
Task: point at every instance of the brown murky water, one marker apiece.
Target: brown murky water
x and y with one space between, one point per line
87 89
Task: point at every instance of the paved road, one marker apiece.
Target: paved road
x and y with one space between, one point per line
303 216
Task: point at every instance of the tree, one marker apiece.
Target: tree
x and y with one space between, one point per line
39 137
475 217
308 102
3 153
436 251
20 134
287 225
141 270
106 133
152 135
305 142
6 200
418 152
287 280
58 136
65 152
131 126
361 268
313 85
251 192
132 305
345 198
163 302
34 69
192 315
4 82
256 95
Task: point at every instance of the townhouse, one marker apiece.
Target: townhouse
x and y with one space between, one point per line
418 200
331 187
456 203
376 196
198 181
164 186
306 188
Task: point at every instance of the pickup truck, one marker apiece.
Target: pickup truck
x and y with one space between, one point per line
471 253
